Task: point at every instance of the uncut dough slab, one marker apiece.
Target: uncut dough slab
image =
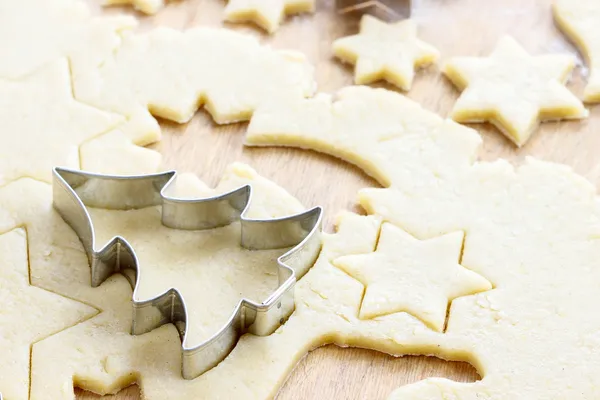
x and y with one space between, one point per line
578 19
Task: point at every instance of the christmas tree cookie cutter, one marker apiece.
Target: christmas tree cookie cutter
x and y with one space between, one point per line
74 191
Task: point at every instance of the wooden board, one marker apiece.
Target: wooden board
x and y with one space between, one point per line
456 27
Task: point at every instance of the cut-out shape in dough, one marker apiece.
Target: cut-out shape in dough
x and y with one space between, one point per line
369 128
513 90
43 126
418 277
578 19
29 314
385 51
34 33
166 73
268 14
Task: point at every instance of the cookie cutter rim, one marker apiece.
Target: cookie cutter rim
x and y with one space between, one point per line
117 255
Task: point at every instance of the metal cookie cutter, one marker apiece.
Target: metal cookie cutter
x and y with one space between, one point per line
74 190
383 9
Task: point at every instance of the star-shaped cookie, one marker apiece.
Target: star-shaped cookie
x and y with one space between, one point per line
513 90
43 126
578 19
385 51
268 14
28 314
418 277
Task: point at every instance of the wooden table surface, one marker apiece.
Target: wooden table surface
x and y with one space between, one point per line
455 27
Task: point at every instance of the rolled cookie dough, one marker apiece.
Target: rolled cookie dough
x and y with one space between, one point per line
513 90
369 128
578 19
43 126
29 314
385 51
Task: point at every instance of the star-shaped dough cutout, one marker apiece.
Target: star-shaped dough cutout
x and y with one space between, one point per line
28 315
513 90
579 21
405 274
43 126
385 51
268 14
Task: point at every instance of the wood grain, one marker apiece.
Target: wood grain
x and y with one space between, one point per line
456 27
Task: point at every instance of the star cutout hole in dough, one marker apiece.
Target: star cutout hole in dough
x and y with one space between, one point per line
513 90
405 274
268 14
385 51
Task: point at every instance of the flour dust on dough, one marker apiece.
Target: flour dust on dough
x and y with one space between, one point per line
385 51
513 90
578 19
29 314
268 14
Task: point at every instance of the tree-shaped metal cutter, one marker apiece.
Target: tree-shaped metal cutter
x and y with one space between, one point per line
74 190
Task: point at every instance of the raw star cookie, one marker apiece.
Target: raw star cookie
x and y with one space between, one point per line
513 90
29 314
385 51
55 29
166 73
43 126
419 277
368 127
145 6
578 19
268 14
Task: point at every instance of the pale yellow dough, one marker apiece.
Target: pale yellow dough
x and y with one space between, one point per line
50 30
406 274
531 231
166 73
28 314
578 19
43 126
513 90
375 129
268 14
385 51
145 6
